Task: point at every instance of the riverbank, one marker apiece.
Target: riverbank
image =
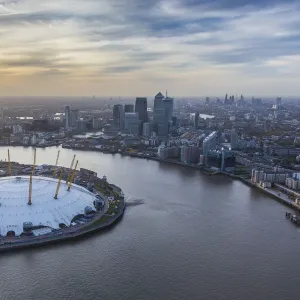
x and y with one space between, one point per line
280 198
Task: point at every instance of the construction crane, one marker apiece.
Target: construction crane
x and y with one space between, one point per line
70 171
9 165
58 184
73 176
34 162
55 168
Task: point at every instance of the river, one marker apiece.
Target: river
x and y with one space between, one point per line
185 235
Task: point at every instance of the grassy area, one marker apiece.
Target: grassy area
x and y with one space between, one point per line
100 221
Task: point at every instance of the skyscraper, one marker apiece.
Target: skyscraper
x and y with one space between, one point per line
234 139
74 116
132 124
168 105
118 116
196 121
2 119
129 108
67 117
141 109
158 101
162 114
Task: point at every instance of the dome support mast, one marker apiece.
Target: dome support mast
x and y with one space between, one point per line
73 176
58 184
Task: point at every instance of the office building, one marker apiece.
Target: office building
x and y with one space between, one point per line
141 109
158 101
162 114
168 105
196 121
234 139
74 116
128 108
67 117
2 119
118 116
220 160
160 121
147 129
209 143
132 124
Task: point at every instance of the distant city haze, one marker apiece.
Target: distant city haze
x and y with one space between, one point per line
118 48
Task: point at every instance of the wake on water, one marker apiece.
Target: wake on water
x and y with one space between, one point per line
131 201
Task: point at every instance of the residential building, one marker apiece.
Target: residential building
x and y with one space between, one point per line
67 117
209 143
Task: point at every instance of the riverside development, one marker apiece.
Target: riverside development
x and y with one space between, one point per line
46 204
178 221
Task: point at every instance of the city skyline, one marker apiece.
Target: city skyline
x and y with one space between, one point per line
108 48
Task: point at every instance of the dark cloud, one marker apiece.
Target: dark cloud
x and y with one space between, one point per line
121 69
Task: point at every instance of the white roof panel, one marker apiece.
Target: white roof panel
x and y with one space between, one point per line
45 210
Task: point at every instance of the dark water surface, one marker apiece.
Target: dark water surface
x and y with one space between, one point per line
184 236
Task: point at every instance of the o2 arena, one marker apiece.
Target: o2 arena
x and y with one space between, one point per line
33 205
21 208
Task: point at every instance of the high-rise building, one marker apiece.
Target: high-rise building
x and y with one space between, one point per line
141 109
162 114
67 117
160 122
234 139
147 129
128 108
168 105
132 124
118 116
74 116
209 143
196 121
158 101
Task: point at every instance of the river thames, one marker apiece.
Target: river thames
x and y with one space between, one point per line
184 235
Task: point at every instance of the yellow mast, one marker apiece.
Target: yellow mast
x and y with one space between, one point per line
70 171
58 184
30 180
73 175
30 190
55 169
34 162
9 165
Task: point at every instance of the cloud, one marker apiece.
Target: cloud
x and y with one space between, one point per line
151 39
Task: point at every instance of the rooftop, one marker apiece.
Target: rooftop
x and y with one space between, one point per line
45 210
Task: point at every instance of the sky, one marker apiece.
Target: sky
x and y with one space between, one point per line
140 47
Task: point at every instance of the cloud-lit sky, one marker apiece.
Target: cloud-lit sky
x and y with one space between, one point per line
138 47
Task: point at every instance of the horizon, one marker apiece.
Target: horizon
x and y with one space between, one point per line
192 47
